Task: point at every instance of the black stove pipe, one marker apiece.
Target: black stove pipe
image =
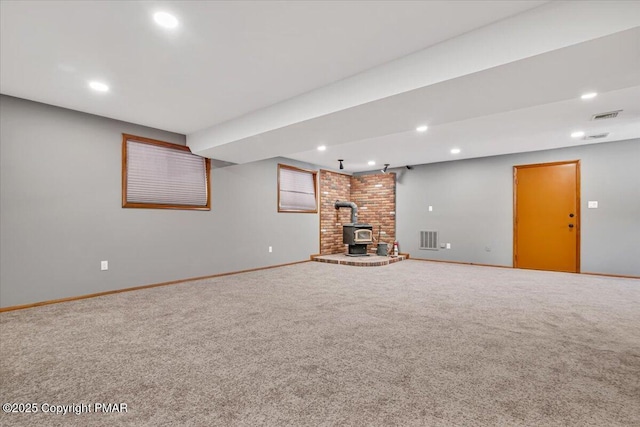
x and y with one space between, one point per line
353 206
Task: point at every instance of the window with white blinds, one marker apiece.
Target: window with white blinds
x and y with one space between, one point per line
296 190
161 175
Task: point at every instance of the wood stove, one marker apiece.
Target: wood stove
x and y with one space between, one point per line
357 236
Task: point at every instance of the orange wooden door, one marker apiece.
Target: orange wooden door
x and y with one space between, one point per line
547 216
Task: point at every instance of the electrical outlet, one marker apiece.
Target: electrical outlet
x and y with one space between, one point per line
487 248
104 265
430 208
448 245
270 249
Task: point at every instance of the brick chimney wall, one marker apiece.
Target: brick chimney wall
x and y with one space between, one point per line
375 196
333 186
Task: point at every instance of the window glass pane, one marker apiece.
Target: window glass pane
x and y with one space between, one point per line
297 190
161 175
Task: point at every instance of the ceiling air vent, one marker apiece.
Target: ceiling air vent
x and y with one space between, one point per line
609 115
597 136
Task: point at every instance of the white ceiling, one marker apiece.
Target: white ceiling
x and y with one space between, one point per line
252 80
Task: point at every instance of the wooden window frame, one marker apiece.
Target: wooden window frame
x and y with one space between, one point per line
313 173
125 204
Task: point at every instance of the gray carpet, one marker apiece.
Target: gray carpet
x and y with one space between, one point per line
314 344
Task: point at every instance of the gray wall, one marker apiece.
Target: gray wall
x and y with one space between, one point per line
473 206
61 214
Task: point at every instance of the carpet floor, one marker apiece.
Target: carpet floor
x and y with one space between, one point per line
314 344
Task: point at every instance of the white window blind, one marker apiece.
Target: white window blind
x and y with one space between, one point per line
162 175
297 190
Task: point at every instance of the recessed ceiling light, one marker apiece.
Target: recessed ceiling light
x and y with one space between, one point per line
589 95
578 134
455 151
165 20
422 128
322 147
371 163
97 86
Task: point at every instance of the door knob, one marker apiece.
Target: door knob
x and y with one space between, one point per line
570 225
571 215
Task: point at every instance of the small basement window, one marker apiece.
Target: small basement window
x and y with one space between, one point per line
161 175
296 190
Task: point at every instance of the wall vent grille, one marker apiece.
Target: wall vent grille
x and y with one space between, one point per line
597 136
429 240
608 115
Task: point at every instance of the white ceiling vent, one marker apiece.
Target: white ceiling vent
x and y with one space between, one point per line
609 115
597 136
